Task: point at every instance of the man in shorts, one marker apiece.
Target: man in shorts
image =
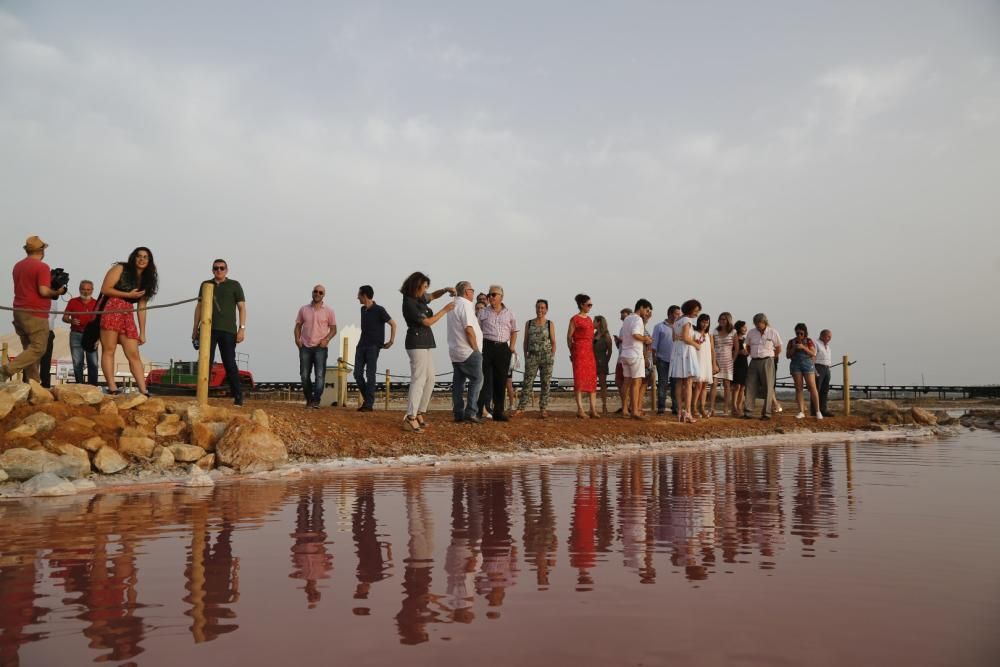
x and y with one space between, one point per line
633 358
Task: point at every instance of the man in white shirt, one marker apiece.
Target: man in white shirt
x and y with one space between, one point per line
824 359
764 343
632 357
465 345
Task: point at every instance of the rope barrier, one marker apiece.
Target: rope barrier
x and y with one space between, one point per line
98 312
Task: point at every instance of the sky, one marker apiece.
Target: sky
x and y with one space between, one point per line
828 163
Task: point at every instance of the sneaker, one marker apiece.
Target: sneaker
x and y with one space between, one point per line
501 418
238 401
819 415
366 408
801 415
473 419
779 409
766 418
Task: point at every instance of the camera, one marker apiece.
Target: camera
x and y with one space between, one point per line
58 278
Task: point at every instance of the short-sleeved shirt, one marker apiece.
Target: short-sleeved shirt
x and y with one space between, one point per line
663 341
228 293
462 316
78 309
418 335
373 321
824 357
316 323
763 345
632 348
29 273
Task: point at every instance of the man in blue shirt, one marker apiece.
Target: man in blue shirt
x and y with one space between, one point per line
373 320
663 347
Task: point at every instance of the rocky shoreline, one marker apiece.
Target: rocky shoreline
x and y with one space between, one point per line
75 438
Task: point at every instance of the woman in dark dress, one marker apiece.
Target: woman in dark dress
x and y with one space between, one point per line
603 344
127 287
740 361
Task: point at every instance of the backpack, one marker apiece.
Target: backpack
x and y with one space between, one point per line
92 332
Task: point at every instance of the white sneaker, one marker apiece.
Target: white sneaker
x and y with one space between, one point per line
819 415
779 409
801 415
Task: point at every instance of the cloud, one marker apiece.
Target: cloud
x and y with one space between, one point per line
859 93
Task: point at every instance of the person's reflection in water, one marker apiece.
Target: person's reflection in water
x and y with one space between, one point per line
631 511
222 582
499 570
372 565
462 559
17 609
110 601
814 502
415 613
583 527
310 559
540 541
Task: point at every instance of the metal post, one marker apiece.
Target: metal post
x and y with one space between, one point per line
205 340
847 387
388 388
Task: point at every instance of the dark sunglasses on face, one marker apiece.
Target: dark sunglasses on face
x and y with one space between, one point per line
495 294
218 268
316 291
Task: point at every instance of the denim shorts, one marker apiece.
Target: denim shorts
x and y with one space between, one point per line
804 366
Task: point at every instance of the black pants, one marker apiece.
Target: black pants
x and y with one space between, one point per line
45 363
227 350
823 387
496 361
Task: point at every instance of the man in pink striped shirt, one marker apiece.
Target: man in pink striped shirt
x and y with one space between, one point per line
499 341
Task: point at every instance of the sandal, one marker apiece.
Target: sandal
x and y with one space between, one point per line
594 415
412 424
421 420
580 414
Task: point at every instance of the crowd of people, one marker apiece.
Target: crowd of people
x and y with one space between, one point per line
688 360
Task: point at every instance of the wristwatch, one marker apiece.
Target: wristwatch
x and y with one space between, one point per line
243 326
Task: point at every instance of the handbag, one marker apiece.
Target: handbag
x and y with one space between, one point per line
92 332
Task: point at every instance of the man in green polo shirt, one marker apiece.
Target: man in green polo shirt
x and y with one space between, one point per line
230 304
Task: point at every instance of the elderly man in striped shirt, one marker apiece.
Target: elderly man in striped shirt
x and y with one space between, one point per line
764 343
499 341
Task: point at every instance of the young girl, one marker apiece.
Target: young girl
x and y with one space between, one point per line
741 355
684 358
722 341
706 363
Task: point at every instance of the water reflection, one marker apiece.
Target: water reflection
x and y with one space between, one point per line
653 517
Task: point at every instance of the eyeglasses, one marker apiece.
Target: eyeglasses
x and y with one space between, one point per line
316 291
218 268
495 294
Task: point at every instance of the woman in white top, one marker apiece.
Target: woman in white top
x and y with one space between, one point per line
706 363
684 359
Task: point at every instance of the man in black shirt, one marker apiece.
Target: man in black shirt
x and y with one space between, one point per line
373 320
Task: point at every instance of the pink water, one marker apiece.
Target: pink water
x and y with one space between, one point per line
864 554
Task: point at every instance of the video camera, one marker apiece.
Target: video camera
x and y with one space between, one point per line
58 278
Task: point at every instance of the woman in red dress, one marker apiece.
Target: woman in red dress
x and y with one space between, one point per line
581 352
126 289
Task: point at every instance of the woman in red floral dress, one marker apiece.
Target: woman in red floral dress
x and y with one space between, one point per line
127 285
581 352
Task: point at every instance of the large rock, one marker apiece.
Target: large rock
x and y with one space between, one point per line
93 444
207 462
258 416
198 477
109 461
170 429
249 447
42 422
78 394
39 395
108 408
81 423
867 406
163 458
130 401
153 405
48 484
73 467
20 463
943 418
111 422
140 447
923 417
186 453
3 475
196 413
74 451
7 404
206 434
19 391
20 431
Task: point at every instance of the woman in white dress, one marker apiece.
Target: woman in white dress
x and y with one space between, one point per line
684 358
706 363
722 341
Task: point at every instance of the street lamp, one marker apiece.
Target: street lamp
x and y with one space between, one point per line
884 383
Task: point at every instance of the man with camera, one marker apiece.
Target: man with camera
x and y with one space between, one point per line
33 295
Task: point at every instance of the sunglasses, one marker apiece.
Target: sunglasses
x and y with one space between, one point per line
218 268
316 291
495 294
588 305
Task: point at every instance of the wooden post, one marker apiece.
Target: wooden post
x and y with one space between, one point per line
342 375
205 340
388 388
847 387
4 358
